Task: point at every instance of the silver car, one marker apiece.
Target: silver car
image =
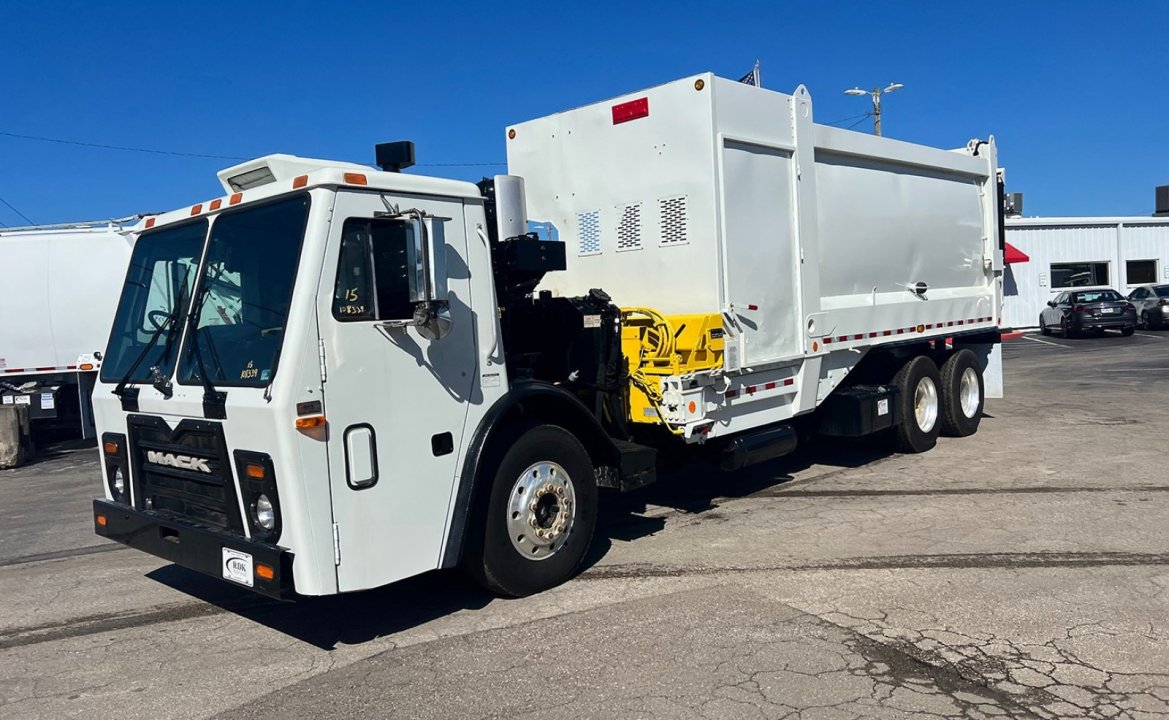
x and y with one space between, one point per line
1152 304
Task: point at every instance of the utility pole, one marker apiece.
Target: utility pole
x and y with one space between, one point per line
876 94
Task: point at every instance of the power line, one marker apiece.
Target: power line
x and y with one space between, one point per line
121 147
858 122
13 209
179 153
846 119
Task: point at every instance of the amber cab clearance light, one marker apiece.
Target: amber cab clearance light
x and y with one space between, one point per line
216 204
355 179
150 222
235 199
310 422
299 181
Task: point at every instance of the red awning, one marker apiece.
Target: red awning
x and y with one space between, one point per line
1014 255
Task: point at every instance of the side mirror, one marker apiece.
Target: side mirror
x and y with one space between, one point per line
1050 303
426 276
426 261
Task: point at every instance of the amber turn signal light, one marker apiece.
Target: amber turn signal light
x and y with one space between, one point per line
255 471
265 571
111 448
310 422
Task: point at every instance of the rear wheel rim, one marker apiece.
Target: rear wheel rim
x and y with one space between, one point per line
925 404
541 510
968 392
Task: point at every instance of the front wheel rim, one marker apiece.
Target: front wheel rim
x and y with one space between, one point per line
541 511
968 392
925 404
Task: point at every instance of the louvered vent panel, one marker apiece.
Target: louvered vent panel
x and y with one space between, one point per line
629 229
589 224
672 215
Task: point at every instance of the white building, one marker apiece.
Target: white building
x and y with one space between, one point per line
1047 255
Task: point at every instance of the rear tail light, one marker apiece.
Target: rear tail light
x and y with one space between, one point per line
1079 308
1130 306
1163 302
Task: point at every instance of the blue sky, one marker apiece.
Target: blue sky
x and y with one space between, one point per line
1071 90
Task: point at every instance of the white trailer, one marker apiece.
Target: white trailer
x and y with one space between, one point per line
59 289
363 375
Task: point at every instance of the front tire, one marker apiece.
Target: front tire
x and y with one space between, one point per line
919 402
1143 322
1127 331
962 394
1043 329
536 525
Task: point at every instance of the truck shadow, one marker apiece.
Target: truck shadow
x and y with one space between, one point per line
362 617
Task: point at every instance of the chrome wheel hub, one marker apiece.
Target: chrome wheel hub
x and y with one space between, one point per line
541 510
968 393
925 404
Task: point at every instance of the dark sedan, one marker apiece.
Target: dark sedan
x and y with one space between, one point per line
1077 311
1152 303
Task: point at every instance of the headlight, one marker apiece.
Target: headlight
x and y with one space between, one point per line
263 513
119 484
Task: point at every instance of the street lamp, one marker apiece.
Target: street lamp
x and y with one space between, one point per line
876 94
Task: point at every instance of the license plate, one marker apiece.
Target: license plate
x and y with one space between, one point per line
1108 311
237 566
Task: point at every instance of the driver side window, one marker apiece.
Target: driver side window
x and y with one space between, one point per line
372 281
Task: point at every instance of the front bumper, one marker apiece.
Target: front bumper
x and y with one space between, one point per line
193 547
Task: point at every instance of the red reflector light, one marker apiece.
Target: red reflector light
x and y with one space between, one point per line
631 110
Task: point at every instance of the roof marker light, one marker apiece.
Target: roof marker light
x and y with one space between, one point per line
235 199
299 181
196 209
355 179
216 204
149 223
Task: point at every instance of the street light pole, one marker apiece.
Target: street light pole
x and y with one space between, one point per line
875 94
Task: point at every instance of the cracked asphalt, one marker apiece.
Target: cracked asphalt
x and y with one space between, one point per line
1022 572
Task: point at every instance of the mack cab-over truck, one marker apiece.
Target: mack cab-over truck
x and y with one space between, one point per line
363 374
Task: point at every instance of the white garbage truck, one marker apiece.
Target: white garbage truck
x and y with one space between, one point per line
362 375
59 287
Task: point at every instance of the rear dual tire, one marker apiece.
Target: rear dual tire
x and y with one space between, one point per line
933 402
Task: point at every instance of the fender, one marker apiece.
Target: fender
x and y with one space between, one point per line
575 414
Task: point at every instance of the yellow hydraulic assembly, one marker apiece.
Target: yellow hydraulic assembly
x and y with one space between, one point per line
658 345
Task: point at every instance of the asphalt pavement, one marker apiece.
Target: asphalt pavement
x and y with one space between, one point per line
1021 572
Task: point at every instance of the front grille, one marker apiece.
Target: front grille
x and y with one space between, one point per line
184 472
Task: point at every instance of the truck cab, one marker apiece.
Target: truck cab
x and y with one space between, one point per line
292 369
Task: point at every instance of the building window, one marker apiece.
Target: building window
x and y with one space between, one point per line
1140 272
1084 274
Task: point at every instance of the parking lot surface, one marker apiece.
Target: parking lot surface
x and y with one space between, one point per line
1022 572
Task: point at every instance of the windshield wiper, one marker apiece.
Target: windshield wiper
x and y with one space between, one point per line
160 381
214 401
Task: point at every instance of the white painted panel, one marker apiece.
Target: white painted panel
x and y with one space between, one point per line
760 254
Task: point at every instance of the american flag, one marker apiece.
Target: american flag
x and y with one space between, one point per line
752 78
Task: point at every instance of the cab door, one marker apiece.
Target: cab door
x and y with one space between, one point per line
395 401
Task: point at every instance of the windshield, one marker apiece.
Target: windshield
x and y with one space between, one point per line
158 283
244 294
1097 296
1162 291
